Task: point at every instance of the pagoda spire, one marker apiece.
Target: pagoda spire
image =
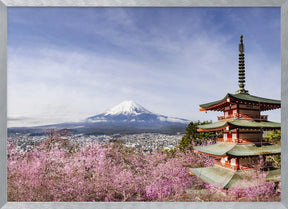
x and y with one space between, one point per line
241 77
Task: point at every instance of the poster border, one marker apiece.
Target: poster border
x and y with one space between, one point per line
4 4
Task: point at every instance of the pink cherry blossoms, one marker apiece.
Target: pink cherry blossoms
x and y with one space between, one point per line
56 170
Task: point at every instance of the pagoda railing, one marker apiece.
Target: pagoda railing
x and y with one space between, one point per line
226 165
226 140
258 117
230 140
229 166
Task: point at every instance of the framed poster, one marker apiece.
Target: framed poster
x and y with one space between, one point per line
120 43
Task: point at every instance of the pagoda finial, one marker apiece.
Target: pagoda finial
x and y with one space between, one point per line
241 45
241 77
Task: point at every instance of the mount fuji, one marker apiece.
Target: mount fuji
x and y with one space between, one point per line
126 118
131 112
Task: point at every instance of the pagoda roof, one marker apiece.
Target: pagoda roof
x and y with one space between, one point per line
226 178
218 149
239 123
264 103
274 175
250 149
214 175
239 149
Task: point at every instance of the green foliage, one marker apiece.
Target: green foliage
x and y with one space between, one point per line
275 160
273 137
192 135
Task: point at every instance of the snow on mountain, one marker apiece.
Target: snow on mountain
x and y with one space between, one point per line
127 108
131 112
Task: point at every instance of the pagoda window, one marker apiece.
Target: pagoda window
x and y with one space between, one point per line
233 162
234 137
226 114
235 113
223 160
225 137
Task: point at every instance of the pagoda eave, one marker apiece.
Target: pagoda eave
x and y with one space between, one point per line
216 176
207 130
238 149
217 107
242 98
211 155
249 150
240 124
218 150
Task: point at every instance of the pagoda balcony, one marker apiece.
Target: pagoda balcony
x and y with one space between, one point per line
234 116
228 140
226 165
229 166
242 141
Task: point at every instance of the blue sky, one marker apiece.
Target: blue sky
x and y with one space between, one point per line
65 64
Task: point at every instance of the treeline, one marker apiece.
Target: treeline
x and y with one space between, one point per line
192 136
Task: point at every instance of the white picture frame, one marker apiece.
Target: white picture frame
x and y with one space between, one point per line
4 4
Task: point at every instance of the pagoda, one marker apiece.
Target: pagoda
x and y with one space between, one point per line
242 127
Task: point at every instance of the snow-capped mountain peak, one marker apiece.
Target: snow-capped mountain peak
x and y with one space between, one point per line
133 113
127 108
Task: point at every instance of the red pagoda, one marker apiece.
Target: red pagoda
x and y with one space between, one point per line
242 127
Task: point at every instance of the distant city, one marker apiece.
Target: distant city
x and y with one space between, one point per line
145 142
